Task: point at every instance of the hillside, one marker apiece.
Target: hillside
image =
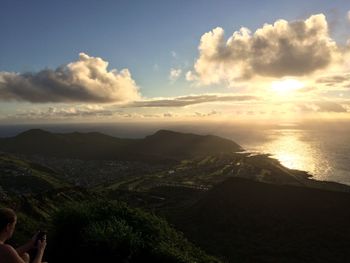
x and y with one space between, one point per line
99 230
92 145
20 176
248 221
163 145
184 145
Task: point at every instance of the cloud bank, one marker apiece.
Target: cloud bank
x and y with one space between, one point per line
276 50
189 100
84 80
322 106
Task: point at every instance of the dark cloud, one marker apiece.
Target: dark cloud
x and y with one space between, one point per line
189 100
334 79
211 113
53 113
321 106
329 106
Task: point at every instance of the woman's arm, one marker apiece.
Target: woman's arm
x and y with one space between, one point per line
10 255
41 248
27 246
23 249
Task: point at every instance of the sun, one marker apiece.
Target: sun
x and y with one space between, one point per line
286 86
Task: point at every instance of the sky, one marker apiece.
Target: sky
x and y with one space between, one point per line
107 61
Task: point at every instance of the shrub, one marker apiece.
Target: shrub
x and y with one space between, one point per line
114 232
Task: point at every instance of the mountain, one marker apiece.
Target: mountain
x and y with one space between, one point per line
159 146
70 145
184 145
248 221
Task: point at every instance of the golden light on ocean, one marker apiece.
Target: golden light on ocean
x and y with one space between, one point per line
289 147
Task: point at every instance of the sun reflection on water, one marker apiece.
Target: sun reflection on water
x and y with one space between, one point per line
292 152
295 152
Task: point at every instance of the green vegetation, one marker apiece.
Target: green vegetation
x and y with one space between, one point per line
22 176
114 232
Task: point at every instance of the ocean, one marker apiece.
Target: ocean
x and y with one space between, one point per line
320 148
325 154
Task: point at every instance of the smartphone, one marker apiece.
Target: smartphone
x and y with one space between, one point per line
40 236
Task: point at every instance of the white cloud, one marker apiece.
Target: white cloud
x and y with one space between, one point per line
84 80
173 54
78 111
190 76
348 16
175 74
276 50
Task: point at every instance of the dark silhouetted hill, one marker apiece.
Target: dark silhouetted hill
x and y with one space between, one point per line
184 145
248 221
71 145
159 146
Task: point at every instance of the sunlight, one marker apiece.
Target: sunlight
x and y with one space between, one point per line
293 152
286 86
290 148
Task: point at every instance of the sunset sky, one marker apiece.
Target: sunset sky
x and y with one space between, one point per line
77 61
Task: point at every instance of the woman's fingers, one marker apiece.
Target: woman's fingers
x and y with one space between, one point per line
42 244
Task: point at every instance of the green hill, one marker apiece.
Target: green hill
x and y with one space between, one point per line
113 232
85 227
19 176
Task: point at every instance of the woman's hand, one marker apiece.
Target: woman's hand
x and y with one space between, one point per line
27 246
41 244
33 240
